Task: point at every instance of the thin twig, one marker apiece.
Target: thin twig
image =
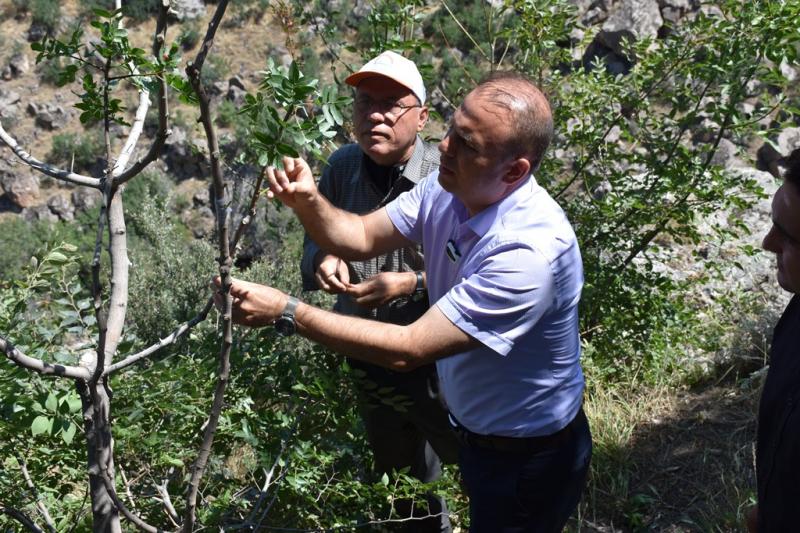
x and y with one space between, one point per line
39 503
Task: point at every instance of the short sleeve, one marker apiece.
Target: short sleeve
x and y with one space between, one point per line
504 298
406 211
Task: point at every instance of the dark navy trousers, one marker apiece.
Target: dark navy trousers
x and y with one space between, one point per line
531 492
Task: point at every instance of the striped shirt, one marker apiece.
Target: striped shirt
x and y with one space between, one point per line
348 185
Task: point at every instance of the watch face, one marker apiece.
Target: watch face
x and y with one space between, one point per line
285 326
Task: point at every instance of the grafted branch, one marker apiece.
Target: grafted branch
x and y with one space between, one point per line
44 168
166 341
42 367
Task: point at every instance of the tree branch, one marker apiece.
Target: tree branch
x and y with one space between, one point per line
121 176
42 367
20 517
39 503
166 341
44 168
193 71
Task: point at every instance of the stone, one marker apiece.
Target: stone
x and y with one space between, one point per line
49 116
632 19
183 158
61 207
18 65
201 198
39 212
37 32
200 221
20 187
85 198
236 95
726 155
9 103
183 10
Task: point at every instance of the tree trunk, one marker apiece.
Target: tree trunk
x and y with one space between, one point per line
100 448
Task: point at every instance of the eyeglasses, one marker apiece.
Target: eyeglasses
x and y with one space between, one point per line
365 104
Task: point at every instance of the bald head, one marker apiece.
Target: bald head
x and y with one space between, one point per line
528 111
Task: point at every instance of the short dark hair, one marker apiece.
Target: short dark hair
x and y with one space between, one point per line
532 127
792 174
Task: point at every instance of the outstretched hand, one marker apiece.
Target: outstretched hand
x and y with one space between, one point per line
293 184
383 288
253 304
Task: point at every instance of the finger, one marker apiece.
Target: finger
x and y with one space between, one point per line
337 284
321 283
343 272
273 180
288 164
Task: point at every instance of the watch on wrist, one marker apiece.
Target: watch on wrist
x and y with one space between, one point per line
285 324
419 289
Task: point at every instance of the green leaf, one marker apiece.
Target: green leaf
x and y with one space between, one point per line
56 257
385 479
68 433
51 404
285 149
74 403
41 424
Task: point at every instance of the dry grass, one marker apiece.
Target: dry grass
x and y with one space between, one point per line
670 460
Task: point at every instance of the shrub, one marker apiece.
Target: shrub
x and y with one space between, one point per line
170 273
77 151
46 13
189 36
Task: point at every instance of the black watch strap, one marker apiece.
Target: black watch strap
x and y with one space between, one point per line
420 283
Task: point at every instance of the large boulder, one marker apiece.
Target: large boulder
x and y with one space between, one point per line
185 158
19 186
17 65
48 116
9 104
633 20
61 207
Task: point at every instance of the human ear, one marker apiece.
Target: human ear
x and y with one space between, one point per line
423 118
518 169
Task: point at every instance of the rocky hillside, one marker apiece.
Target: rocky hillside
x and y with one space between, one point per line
41 116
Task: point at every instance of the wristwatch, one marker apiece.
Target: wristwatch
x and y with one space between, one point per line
419 290
285 324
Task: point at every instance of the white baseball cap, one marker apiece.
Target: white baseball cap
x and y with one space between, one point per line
395 67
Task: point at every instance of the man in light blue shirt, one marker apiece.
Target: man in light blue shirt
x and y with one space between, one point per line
504 278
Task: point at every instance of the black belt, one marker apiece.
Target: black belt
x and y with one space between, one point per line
514 444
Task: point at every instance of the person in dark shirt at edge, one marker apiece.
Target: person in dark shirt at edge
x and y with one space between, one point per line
389 158
778 437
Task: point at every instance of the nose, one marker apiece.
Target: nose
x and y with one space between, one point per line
444 144
771 242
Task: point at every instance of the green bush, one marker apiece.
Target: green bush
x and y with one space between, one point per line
140 10
170 273
189 36
46 13
78 151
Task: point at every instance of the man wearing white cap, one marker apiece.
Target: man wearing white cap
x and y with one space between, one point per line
406 424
